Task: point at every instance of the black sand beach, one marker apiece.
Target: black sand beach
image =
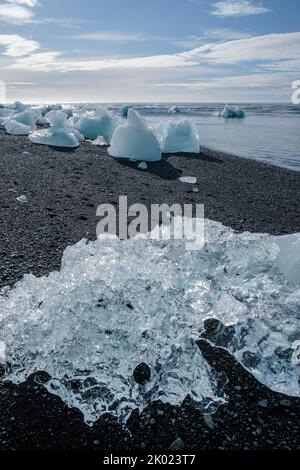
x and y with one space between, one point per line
63 190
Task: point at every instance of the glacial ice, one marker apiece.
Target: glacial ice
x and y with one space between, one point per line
135 140
178 136
60 134
17 106
188 179
174 110
100 122
233 112
115 304
23 123
101 141
2 353
125 109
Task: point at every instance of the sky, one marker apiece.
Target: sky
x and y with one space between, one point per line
149 50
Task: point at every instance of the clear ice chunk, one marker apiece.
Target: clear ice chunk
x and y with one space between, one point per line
117 304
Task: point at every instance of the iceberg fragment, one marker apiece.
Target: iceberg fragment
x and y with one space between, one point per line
233 112
174 110
188 179
60 134
18 107
117 304
125 109
100 122
100 141
135 140
178 136
23 123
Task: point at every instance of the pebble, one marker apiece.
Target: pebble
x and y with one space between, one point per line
178 444
263 403
285 403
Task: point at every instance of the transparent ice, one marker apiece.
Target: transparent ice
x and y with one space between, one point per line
115 304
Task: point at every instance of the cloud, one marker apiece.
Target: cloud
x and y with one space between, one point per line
111 36
48 61
226 34
28 3
268 48
229 8
17 46
262 50
15 14
255 80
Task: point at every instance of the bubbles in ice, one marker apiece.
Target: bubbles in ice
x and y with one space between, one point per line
115 305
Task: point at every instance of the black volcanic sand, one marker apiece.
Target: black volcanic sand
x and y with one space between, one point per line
63 189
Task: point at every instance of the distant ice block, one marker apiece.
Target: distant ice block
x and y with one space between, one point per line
178 136
135 140
233 112
51 107
23 123
60 134
125 109
18 107
174 110
100 122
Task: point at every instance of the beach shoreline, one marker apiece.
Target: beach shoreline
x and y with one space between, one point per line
63 190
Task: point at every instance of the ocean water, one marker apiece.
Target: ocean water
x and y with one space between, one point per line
270 132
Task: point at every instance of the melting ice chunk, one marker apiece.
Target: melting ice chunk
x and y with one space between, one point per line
60 134
116 304
233 112
188 179
178 136
100 122
135 139
23 123
22 199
